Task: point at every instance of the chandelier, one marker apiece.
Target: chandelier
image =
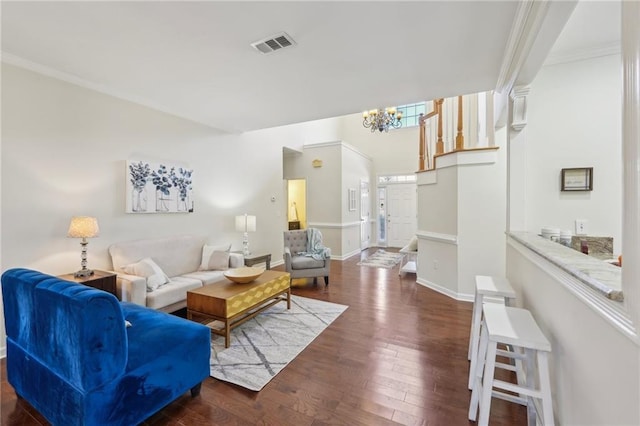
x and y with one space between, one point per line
380 120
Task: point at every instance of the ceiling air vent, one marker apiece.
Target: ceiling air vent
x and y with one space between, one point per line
273 43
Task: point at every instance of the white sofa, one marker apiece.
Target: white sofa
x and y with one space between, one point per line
179 257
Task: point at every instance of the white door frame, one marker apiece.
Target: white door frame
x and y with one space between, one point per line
365 214
395 236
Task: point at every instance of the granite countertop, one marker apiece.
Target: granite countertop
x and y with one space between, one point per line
598 274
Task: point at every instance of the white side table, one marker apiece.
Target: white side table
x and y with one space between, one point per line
409 263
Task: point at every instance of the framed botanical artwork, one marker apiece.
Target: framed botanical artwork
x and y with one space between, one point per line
577 179
352 199
158 188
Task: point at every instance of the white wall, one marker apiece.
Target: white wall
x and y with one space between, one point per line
438 214
343 167
324 197
63 154
461 221
574 120
438 203
395 152
481 216
355 168
594 367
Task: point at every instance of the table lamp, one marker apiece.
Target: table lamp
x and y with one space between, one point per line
83 227
245 223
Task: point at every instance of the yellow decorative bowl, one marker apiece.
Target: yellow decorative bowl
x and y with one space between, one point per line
243 275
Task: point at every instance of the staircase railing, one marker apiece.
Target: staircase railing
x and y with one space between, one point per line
423 145
448 130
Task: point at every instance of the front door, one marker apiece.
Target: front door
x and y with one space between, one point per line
401 214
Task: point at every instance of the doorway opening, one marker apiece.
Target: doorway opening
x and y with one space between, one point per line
297 203
397 210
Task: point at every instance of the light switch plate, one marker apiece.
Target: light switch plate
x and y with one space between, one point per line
581 226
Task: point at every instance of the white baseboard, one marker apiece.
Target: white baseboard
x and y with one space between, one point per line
347 255
462 297
3 352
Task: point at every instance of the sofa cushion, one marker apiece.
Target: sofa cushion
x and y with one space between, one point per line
173 292
148 269
176 255
208 251
206 277
306 262
148 341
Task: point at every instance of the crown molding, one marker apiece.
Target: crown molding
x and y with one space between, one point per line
11 59
337 143
526 25
566 56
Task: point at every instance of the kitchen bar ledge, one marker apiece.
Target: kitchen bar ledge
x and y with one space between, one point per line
597 274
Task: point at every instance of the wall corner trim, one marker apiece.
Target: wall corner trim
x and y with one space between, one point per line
462 297
467 157
438 237
427 177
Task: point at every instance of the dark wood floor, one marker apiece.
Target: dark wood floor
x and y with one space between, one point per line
398 355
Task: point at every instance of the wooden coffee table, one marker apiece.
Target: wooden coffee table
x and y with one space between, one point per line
233 304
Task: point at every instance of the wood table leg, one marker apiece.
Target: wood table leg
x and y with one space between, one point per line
227 334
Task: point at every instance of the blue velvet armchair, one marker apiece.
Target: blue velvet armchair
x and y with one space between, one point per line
71 356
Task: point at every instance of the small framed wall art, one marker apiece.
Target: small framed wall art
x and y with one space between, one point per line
352 199
577 179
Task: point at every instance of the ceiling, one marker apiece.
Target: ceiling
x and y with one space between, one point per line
593 29
194 59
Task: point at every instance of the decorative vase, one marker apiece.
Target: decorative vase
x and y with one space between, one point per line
161 202
139 199
183 203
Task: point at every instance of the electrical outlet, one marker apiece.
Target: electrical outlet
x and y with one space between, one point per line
581 226
435 264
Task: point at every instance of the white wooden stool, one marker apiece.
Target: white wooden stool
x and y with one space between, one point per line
515 327
486 287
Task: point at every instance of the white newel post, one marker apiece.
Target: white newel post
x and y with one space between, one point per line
631 157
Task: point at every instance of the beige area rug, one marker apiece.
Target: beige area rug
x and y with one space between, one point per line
263 346
382 259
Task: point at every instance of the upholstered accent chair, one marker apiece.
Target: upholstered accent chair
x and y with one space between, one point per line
81 358
305 256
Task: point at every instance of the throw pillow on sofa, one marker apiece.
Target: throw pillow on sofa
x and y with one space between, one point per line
219 261
207 252
150 270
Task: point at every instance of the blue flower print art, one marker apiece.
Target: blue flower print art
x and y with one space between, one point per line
138 175
172 186
182 182
163 181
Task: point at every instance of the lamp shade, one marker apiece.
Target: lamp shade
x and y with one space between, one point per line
245 223
83 227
